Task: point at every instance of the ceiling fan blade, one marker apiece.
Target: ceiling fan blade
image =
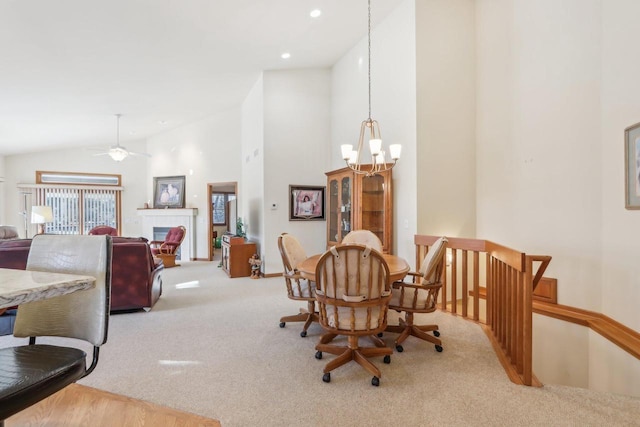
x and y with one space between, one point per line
100 154
133 153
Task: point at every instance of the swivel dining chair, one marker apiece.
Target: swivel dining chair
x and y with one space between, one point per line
363 237
298 288
420 297
353 295
30 373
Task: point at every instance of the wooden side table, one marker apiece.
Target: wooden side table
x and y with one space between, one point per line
235 256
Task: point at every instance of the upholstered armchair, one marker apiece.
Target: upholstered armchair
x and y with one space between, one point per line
101 230
167 249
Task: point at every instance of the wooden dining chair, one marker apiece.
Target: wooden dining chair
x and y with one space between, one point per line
420 296
30 373
353 294
298 288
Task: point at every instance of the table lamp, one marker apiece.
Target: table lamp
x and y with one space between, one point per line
41 215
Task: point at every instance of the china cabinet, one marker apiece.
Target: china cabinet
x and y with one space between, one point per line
358 202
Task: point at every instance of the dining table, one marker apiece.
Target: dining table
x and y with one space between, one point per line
398 267
22 286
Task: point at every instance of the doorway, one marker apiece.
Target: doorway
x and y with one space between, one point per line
220 217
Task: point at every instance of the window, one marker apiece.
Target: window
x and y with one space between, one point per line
79 201
219 204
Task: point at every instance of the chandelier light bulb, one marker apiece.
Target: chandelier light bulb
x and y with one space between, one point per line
375 145
346 151
395 150
353 158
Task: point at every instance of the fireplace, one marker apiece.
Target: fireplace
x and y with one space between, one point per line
156 223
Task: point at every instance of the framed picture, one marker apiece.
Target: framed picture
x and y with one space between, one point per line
632 166
168 192
306 203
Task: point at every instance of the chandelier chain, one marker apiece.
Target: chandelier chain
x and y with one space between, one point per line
369 126
369 55
118 129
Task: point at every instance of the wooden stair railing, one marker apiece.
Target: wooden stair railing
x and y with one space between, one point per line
506 316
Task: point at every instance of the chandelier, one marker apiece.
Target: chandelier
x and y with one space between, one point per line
369 126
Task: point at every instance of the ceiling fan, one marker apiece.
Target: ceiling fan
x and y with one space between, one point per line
118 152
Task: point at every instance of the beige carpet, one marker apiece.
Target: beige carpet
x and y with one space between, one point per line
212 346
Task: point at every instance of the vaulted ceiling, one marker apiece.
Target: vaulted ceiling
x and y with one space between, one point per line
68 66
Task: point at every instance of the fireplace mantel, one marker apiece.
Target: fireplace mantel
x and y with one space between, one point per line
172 218
168 212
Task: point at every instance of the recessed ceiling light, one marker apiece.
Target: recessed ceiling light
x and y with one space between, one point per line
315 13
285 55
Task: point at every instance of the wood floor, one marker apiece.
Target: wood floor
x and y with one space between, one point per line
78 405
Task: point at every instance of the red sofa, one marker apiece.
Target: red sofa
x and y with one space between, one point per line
136 277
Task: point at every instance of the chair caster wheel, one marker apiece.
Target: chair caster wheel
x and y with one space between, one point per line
327 377
399 348
303 334
375 381
379 334
436 333
439 348
282 324
318 355
387 359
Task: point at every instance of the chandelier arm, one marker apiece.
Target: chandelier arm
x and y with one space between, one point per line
363 125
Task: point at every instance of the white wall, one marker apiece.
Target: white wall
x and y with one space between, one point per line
296 152
251 192
445 51
556 88
620 108
393 105
206 151
22 169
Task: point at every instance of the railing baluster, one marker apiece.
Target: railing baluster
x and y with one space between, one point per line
508 283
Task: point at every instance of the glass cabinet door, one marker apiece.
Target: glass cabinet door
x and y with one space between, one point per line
333 207
345 207
373 206
339 206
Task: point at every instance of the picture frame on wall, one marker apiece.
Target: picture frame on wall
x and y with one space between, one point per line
168 192
306 203
632 166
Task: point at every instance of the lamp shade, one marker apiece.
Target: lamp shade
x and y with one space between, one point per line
41 214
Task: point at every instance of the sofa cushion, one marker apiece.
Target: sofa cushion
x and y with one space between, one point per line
8 232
